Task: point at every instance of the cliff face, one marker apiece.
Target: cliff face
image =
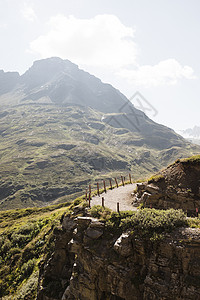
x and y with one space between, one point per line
177 186
90 262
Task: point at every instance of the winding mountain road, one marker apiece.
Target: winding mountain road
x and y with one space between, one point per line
121 194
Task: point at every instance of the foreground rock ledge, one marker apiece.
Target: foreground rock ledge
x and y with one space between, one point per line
90 263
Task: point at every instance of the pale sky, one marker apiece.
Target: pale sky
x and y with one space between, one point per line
150 46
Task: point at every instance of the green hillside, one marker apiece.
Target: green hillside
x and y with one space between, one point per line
26 236
51 153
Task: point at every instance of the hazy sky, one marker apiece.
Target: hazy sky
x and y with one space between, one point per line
150 46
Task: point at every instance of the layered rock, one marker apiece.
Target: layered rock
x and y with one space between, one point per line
93 263
178 187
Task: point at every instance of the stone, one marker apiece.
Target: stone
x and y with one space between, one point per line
145 197
121 266
74 246
123 245
152 189
97 224
93 233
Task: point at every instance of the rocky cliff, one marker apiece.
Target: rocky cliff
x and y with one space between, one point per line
92 262
177 186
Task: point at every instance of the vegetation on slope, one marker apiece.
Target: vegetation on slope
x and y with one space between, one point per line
144 223
26 236
50 153
193 159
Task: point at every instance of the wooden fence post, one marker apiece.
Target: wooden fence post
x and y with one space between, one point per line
103 201
104 185
98 189
118 207
130 178
116 182
197 212
122 180
110 184
90 189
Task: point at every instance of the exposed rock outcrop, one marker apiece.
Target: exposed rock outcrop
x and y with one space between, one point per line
178 187
92 263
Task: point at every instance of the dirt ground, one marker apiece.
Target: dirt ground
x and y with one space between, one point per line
121 194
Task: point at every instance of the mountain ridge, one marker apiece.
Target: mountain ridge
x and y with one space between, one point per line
59 132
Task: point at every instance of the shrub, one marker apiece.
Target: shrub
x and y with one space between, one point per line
100 212
77 201
20 239
29 289
193 222
28 253
14 251
116 218
6 246
148 221
27 268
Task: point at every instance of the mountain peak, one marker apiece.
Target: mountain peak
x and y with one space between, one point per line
53 62
45 70
8 81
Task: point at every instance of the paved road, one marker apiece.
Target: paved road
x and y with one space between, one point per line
121 194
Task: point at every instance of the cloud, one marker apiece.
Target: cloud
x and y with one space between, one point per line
166 72
102 40
28 13
105 43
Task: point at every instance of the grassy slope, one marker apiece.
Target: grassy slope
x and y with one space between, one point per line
26 236
51 153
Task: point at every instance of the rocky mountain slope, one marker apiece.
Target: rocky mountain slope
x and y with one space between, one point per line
177 186
146 255
61 128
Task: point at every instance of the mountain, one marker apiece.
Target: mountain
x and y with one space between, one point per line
60 82
192 134
62 128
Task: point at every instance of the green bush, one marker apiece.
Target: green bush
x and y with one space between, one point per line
116 218
6 246
28 253
77 201
100 212
14 251
27 268
20 240
145 222
29 290
193 222
152 220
